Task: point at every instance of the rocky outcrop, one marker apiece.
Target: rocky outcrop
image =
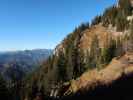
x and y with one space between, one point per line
104 35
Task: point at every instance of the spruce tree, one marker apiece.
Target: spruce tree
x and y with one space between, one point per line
125 7
96 20
94 51
61 68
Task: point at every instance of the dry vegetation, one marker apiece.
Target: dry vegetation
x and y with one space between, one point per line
102 33
89 80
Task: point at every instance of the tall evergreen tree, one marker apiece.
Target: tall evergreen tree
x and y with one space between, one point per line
61 68
96 20
121 22
125 7
94 51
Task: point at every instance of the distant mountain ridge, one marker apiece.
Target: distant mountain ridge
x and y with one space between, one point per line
18 63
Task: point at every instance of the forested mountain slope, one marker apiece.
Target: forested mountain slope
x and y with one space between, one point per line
119 67
90 47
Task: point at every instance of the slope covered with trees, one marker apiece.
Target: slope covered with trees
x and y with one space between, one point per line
89 46
14 66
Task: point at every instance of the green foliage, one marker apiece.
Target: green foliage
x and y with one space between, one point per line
109 16
94 51
108 53
89 62
73 54
105 55
121 22
61 68
117 16
96 20
81 28
76 65
119 47
64 66
72 62
125 7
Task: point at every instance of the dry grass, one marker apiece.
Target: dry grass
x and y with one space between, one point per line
91 79
103 35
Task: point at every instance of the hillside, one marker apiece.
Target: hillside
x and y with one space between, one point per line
119 67
92 55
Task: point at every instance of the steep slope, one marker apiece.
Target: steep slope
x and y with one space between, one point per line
67 56
90 80
88 48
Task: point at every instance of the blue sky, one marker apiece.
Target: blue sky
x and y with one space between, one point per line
30 24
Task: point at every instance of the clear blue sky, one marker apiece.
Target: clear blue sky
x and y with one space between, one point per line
30 24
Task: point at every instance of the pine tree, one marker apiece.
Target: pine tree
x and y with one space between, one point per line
76 65
125 7
61 68
108 53
88 61
109 16
119 47
96 20
121 22
94 51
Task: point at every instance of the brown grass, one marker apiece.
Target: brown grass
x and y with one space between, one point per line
91 79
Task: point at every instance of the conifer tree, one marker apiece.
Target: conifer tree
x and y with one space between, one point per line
94 51
125 7
61 68
96 20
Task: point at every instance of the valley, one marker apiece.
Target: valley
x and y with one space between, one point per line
94 61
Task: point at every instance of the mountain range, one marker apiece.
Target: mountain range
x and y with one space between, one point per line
16 64
94 61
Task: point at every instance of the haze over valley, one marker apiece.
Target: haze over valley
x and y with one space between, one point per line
90 53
